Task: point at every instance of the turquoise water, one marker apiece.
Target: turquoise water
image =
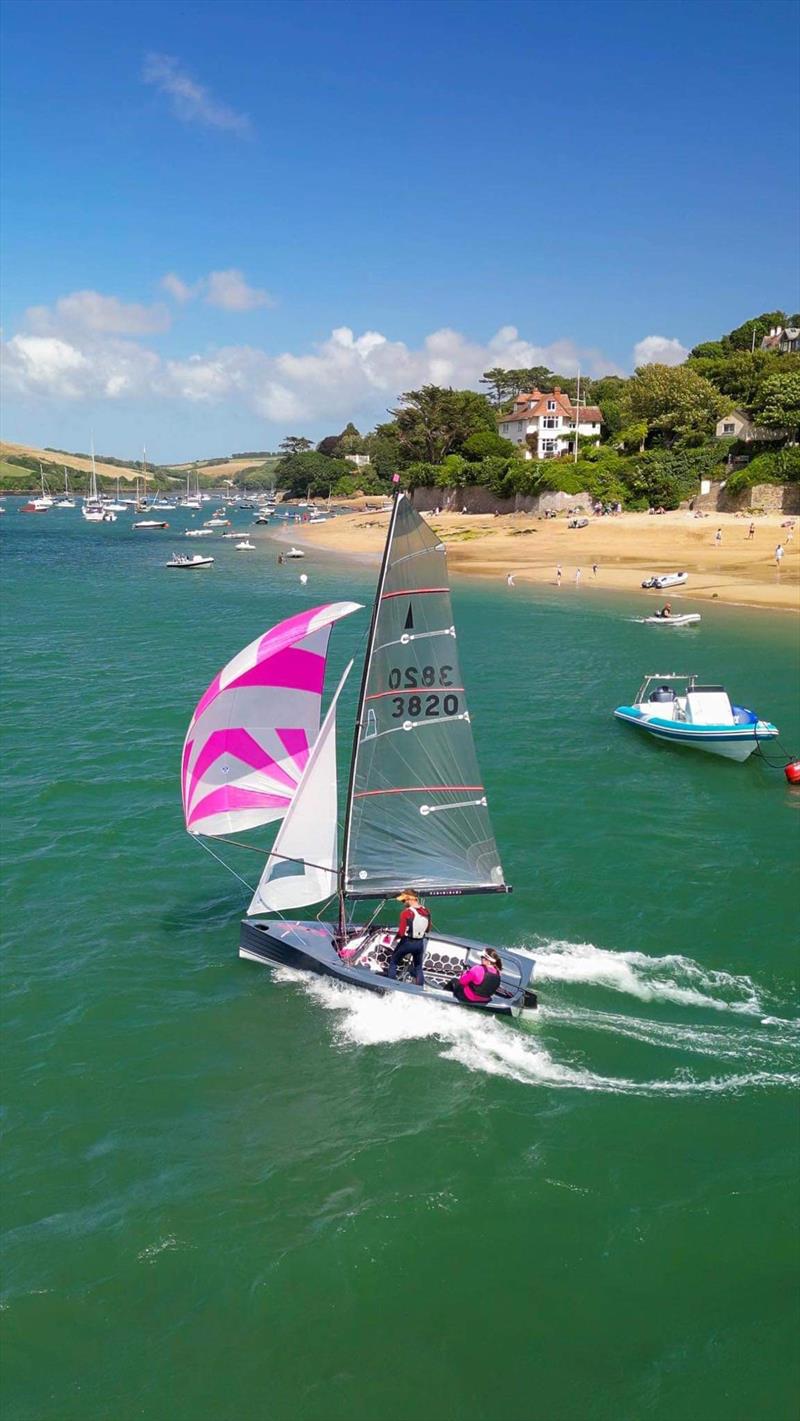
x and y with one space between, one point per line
232 1193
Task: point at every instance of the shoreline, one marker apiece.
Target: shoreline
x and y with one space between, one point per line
740 572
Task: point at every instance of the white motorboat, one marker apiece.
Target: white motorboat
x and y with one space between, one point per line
200 533
246 546
660 580
702 717
182 560
36 505
671 619
294 553
150 523
217 523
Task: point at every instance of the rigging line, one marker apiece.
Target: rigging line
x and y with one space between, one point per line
210 851
270 854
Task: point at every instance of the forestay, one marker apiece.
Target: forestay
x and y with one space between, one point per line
417 815
303 865
251 734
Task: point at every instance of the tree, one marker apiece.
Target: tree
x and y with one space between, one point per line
350 441
674 401
488 443
309 471
294 444
742 337
433 422
383 447
778 402
505 384
707 350
500 387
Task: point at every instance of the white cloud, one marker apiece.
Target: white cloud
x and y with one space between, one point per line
191 101
177 289
659 350
346 376
44 365
229 291
91 312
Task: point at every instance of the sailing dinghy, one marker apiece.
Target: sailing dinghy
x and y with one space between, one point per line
415 812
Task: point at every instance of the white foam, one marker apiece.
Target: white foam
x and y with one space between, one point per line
672 978
367 1019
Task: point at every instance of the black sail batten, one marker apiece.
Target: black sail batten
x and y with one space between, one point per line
416 813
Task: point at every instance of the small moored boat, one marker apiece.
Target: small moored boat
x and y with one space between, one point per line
150 523
184 561
294 553
700 716
245 546
666 579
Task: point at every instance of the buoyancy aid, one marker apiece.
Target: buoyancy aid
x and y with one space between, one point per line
487 986
419 926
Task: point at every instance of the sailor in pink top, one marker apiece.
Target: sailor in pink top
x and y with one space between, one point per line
479 983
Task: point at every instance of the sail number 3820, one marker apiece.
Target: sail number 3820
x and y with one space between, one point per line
421 678
412 677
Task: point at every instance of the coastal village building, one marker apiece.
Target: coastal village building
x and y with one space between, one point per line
737 425
786 340
545 423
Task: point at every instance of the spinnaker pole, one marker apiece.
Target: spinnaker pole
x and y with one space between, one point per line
348 807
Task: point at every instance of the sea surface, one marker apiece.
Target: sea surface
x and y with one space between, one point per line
231 1193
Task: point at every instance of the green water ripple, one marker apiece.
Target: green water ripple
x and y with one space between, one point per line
226 1192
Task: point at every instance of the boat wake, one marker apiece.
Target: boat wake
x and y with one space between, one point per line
674 978
718 1057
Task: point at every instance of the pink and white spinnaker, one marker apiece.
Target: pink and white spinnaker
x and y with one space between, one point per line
252 731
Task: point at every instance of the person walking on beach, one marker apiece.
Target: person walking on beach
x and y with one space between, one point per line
510 580
718 537
594 568
577 576
751 532
558 575
779 556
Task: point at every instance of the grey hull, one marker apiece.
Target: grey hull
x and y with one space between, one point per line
309 947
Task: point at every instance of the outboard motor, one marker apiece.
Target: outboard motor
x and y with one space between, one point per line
662 693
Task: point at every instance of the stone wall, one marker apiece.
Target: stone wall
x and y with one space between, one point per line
772 498
478 499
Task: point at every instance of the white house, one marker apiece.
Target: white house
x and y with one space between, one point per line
545 423
360 460
787 340
737 425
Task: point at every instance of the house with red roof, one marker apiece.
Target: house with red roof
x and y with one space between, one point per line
545 424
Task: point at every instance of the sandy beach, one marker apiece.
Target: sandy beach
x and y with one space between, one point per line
626 549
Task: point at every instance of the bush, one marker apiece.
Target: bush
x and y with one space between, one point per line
781 466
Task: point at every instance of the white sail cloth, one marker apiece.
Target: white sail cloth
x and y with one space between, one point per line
303 865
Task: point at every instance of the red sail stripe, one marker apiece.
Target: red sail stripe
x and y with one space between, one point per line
417 789
414 592
413 691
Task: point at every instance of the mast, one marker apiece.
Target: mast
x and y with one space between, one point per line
348 804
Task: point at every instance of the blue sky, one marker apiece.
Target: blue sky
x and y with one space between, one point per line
225 222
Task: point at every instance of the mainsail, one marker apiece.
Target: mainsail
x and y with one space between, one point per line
245 751
416 814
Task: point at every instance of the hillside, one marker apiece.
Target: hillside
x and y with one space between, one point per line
17 478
